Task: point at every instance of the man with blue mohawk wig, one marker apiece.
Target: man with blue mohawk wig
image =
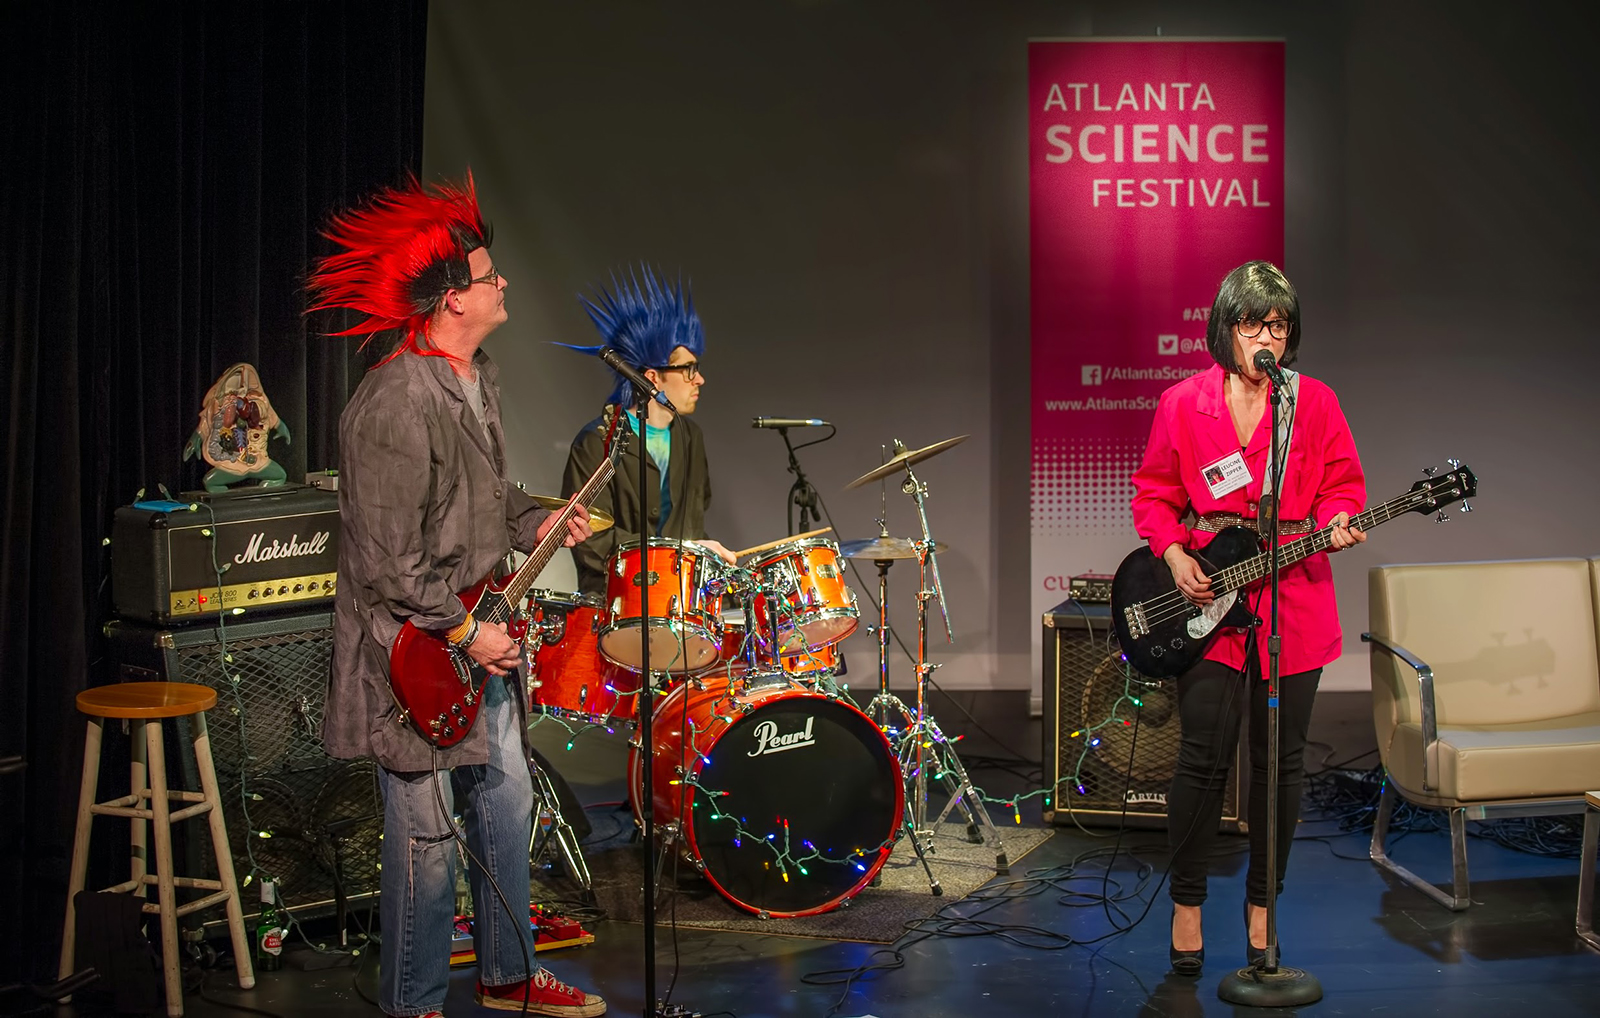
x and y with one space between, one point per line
653 325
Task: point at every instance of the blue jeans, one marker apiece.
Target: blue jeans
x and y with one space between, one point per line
419 866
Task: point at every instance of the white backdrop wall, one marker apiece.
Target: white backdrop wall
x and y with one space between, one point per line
846 187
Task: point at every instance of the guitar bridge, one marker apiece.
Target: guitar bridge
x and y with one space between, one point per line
1138 625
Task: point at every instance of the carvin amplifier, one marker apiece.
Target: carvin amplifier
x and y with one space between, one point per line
178 561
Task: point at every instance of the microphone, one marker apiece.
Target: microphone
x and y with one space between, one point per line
615 362
789 422
1268 365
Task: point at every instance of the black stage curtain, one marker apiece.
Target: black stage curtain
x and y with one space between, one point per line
164 172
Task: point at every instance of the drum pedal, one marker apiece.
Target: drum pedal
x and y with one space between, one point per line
675 1011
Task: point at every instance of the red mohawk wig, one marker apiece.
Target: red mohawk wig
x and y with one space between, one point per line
397 258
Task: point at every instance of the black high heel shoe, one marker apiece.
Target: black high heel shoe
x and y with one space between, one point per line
1254 956
1185 963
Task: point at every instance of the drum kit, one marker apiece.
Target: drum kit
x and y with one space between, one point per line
766 775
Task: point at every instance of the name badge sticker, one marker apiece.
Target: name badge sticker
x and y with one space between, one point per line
1226 474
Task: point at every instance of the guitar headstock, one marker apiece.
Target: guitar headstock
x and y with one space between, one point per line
1436 491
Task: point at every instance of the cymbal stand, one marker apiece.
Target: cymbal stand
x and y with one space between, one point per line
924 745
890 714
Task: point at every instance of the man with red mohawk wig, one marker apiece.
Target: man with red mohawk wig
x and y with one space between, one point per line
426 510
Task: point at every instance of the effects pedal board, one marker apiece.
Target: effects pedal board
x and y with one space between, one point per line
555 931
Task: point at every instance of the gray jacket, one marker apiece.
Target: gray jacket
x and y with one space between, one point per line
425 511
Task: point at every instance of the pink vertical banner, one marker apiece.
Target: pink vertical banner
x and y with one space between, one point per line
1154 167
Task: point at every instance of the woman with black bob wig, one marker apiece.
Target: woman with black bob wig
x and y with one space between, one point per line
1208 454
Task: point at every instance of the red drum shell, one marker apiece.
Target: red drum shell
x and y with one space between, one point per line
570 678
674 577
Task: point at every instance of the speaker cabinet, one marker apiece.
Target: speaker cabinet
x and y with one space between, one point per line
1112 770
294 814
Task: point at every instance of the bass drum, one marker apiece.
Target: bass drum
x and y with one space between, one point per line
788 800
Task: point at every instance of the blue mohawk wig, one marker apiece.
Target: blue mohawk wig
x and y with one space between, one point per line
644 320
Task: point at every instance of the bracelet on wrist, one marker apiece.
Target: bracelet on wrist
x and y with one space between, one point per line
463 635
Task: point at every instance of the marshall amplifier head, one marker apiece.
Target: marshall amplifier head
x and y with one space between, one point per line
180 561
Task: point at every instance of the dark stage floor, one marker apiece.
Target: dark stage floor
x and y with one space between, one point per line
1377 946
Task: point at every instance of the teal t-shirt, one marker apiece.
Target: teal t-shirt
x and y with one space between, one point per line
659 442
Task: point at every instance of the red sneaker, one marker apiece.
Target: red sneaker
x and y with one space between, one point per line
546 995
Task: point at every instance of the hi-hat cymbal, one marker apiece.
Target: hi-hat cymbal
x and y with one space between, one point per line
883 548
903 460
599 519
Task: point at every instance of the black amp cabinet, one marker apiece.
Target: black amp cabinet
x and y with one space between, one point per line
294 814
1100 776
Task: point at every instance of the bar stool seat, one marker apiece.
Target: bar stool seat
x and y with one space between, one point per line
144 705
1591 835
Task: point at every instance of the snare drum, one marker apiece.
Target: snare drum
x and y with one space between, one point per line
570 679
815 608
786 778
673 578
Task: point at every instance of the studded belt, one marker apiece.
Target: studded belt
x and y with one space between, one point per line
1213 523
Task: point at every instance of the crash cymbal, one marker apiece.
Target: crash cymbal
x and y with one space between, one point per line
599 519
905 459
882 548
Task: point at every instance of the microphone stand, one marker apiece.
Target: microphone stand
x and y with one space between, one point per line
1271 985
801 493
647 709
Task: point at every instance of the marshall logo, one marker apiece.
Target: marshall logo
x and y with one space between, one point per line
769 741
1147 799
256 551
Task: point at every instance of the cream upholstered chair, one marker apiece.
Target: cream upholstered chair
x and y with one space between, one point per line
1485 694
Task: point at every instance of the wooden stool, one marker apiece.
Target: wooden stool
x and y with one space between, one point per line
1591 834
144 704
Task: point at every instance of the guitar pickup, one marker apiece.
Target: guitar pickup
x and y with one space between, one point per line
1138 625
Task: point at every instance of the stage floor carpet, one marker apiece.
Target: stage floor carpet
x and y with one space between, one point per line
1040 942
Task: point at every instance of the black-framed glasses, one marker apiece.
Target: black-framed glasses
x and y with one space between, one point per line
1250 328
493 278
690 369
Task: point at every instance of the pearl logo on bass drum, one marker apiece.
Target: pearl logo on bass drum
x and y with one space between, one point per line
769 741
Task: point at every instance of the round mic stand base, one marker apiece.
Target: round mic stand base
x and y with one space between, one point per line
1258 987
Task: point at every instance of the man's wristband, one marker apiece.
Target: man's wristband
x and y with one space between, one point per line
464 634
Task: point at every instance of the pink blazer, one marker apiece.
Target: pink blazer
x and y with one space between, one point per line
1192 429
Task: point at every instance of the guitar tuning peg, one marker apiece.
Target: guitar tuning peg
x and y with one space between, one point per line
1455 464
1429 470
1442 518
1465 506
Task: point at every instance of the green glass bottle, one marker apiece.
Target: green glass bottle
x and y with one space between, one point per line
269 930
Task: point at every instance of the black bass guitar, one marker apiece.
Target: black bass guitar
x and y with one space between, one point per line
1163 633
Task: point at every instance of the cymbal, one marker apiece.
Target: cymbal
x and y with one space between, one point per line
905 459
599 519
882 548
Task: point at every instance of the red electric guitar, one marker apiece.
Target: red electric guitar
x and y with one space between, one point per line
439 688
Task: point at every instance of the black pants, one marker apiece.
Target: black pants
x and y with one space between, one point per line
1210 701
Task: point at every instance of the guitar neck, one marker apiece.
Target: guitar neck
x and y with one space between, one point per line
1242 574
521 581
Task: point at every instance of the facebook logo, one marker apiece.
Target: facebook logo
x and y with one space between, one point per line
1091 374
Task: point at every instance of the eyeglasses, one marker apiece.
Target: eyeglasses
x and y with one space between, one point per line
493 278
1250 328
690 369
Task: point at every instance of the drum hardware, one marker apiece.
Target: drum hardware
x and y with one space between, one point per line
558 836
921 744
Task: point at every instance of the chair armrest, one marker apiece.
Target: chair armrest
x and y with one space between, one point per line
1430 728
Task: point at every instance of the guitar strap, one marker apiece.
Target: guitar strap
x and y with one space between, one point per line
1269 484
